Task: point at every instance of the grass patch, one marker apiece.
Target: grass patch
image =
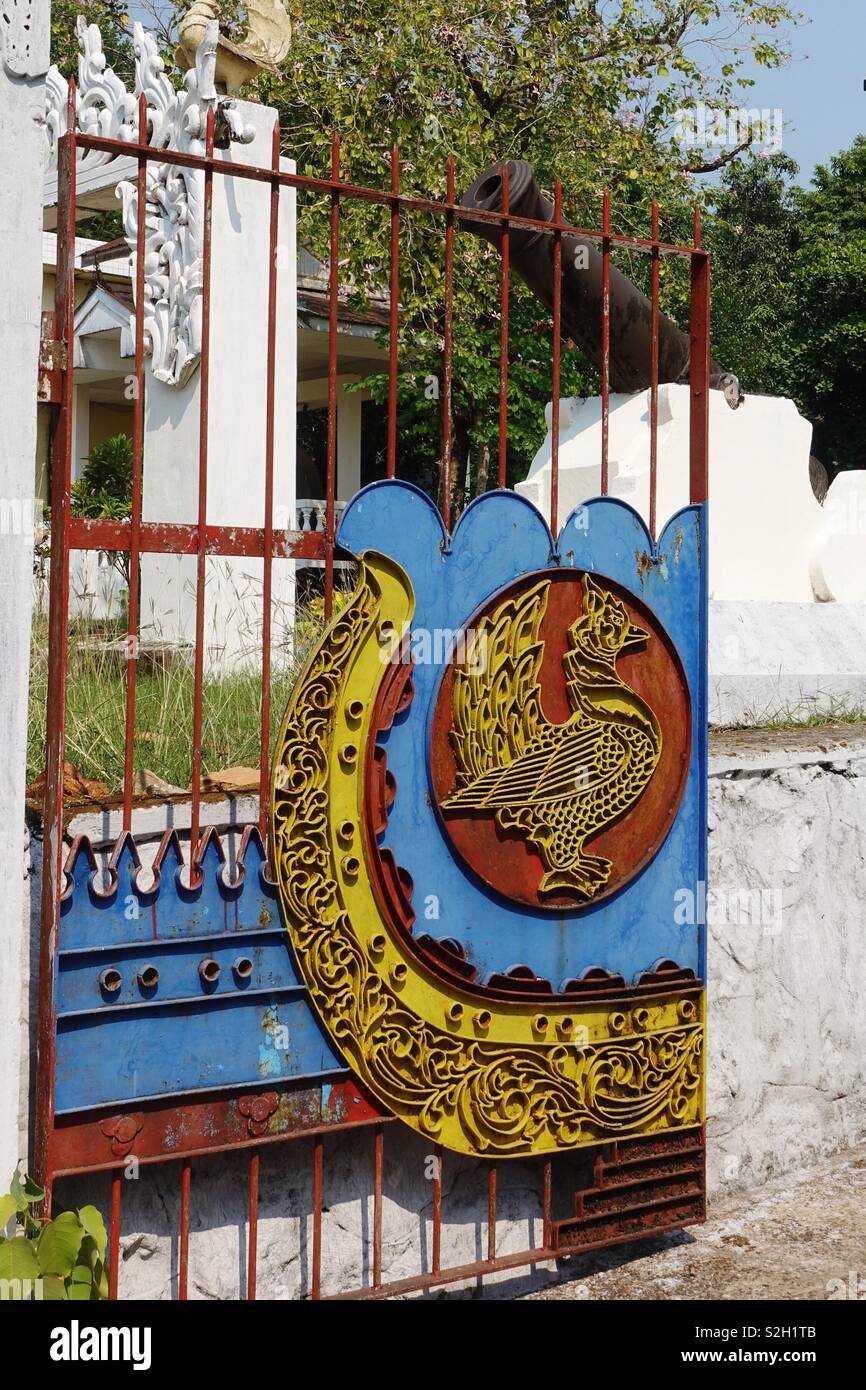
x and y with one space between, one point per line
96 706
806 715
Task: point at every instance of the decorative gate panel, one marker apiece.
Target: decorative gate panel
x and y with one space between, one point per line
488 788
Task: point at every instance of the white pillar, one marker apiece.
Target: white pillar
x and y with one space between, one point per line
348 442
24 39
237 423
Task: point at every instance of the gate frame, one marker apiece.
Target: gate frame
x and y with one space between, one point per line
201 539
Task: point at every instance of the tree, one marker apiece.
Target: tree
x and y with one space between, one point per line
827 367
752 238
789 306
586 90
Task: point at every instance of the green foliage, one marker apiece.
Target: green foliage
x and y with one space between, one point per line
789 307
105 486
105 490
61 1259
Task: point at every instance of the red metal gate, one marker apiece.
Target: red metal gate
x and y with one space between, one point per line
136 537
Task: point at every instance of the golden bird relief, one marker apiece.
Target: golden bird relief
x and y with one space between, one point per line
559 784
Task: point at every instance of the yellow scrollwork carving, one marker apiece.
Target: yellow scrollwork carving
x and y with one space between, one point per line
510 1087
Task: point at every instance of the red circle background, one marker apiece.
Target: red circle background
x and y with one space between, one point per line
505 860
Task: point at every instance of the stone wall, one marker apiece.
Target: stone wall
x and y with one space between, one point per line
787 1060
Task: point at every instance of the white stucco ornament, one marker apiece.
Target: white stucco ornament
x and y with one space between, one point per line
174 226
23 37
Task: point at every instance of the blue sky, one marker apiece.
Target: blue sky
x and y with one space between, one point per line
820 92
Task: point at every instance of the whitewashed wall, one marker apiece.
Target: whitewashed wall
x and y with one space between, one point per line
787 1061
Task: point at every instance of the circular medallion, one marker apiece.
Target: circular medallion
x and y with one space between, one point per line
560 740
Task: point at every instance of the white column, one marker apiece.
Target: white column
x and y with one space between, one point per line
237 423
24 39
348 441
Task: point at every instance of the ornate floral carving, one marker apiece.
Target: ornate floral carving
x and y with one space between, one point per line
174 208
257 1110
476 1095
123 1131
24 37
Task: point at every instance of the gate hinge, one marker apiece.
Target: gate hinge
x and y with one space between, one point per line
53 361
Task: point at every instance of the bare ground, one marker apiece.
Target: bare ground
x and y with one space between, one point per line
790 1240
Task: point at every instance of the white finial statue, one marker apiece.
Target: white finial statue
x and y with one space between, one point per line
263 47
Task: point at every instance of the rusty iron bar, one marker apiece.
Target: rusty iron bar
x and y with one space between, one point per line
454 1274
171 538
699 374
183 1244
448 347
546 1202
505 260
394 309
333 306
58 638
318 1174
557 349
253 1225
137 466
491 1213
605 342
436 1260
114 1236
268 538
201 562
654 378
378 1176
408 203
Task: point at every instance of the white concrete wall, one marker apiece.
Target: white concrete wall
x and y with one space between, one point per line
786 1072
786 661
763 514
23 63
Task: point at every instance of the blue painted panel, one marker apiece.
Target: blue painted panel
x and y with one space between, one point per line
178 965
92 916
129 1054
499 538
178 1037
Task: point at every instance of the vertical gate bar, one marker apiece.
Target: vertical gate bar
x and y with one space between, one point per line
654 373
333 293
491 1212
699 369
394 306
378 1173
447 347
253 1236
546 1199
557 347
503 342
114 1236
201 563
137 465
318 1166
268 557
183 1249
437 1210
58 617
605 340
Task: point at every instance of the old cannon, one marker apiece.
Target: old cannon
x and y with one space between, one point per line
531 255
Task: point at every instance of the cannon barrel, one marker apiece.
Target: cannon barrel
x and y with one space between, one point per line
531 255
